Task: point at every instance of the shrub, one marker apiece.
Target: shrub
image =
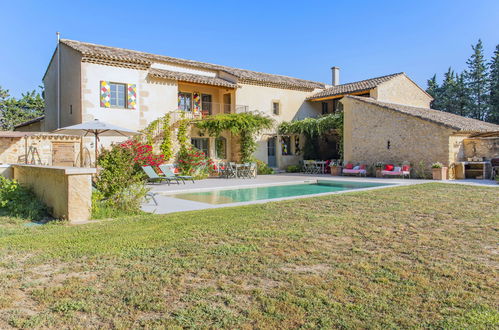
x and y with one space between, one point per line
119 183
420 170
437 165
293 168
19 201
192 161
141 154
263 168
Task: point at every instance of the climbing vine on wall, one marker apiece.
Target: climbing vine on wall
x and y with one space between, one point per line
311 128
166 144
246 125
182 134
150 130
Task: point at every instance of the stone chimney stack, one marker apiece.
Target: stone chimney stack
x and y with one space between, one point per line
336 75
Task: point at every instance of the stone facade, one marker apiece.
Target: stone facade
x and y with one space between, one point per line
373 134
401 90
481 147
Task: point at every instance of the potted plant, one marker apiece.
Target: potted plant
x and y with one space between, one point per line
439 171
379 168
335 168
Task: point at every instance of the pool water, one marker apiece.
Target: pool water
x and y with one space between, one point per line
271 192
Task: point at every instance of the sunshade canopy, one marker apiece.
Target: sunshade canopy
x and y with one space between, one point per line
96 127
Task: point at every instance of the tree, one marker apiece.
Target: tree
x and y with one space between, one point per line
462 96
434 90
493 116
477 82
16 111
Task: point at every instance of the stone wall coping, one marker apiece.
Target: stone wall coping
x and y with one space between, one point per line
66 169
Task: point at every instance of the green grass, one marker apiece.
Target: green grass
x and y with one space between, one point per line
416 256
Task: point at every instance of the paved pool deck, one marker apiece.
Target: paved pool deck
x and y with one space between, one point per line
166 204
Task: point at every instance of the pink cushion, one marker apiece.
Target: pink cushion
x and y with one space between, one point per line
363 167
406 168
346 170
391 172
389 167
349 166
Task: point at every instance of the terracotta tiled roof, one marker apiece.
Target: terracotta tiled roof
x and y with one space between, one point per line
354 87
31 121
143 60
190 77
452 121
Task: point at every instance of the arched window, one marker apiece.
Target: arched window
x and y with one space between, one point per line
221 147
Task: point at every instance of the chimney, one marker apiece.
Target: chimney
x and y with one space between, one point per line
336 75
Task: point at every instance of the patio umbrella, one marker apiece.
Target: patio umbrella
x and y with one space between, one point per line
96 128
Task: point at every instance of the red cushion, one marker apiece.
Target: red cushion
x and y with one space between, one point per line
349 166
406 168
389 167
362 167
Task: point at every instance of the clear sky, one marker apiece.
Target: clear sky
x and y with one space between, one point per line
296 38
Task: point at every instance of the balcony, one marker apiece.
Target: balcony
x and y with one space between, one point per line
214 108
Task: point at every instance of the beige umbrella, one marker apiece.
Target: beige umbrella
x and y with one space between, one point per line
96 128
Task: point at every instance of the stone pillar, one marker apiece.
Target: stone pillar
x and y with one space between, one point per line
67 191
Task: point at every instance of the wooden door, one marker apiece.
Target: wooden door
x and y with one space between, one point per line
63 154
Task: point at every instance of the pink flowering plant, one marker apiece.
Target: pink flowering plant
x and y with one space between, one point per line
192 161
142 154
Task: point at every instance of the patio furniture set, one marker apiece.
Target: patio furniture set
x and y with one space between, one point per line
230 170
314 166
359 169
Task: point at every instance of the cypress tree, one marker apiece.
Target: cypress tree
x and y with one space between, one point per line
493 116
434 90
448 91
477 82
462 96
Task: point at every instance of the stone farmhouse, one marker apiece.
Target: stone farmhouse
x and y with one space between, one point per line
386 118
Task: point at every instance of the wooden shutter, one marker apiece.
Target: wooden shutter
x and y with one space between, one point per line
63 154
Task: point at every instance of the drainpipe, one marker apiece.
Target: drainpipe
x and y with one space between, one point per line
58 80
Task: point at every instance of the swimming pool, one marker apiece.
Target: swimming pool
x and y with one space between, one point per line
271 192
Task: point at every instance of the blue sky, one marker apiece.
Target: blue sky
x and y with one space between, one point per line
297 38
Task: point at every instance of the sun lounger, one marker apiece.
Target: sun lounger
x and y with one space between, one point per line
152 176
167 170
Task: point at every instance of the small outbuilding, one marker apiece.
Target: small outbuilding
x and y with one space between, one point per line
376 131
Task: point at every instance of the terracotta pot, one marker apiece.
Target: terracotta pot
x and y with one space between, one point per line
439 173
336 170
378 172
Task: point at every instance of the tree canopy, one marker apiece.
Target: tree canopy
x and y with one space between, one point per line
472 93
16 111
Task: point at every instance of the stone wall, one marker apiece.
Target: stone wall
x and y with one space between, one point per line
67 191
373 134
481 147
401 90
37 147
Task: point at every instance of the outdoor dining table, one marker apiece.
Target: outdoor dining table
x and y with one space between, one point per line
315 166
322 164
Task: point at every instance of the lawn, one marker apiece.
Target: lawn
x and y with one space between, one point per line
414 256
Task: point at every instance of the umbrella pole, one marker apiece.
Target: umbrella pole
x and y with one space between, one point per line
96 148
